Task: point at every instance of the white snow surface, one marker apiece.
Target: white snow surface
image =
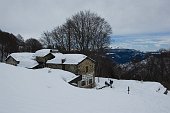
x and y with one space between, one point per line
28 63
74 58
42 52
58 58
69 58
45 91
25 59
21 56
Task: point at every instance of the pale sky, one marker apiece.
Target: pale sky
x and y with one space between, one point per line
31 17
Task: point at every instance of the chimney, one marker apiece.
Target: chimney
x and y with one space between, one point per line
63 60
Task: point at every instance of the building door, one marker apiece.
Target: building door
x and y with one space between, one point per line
87 69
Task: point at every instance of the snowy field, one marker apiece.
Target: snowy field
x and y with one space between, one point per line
46 91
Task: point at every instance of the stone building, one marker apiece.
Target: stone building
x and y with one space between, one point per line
23 59
78 64
42 56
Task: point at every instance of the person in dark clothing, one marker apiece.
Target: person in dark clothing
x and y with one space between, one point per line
106 83
111 82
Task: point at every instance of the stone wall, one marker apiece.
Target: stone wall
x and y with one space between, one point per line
11 61
71 68
45 58
54 66
86 67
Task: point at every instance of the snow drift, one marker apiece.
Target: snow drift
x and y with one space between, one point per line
47 91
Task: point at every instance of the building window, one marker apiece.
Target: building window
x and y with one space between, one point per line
90 81
87 69
83 83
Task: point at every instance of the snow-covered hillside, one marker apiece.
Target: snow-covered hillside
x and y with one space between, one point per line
46 91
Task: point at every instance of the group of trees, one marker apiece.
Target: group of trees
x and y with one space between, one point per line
29 45
83 32
32 45
10 43
155 68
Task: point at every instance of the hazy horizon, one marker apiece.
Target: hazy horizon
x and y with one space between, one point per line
142 42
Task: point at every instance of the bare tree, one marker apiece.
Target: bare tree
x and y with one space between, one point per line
46 40
59 36
84 31
33 45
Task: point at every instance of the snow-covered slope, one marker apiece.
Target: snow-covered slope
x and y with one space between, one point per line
123 56
45 91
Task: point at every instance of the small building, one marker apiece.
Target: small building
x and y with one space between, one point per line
43 55
24 59
78 64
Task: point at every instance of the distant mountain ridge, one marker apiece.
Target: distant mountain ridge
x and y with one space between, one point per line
122 56
143 42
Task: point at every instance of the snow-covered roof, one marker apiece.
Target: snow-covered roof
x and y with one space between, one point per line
58 58
74 58
25 59
69 58
42 52
21 56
